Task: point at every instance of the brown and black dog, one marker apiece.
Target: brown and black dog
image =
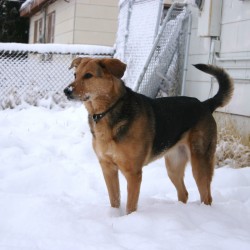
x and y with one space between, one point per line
131 130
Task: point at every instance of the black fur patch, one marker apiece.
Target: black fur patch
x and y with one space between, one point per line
173 117
121 132
124 113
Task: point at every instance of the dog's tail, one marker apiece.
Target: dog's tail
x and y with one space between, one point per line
226 86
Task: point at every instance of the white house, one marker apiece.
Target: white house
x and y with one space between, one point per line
72 21
221 35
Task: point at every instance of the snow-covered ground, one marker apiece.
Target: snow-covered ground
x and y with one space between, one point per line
53 196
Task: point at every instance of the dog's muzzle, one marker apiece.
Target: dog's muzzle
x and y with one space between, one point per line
69 92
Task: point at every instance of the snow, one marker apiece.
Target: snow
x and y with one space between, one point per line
58 48
191 2
27 3
53 196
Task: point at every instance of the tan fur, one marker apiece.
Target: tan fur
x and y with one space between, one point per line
103 90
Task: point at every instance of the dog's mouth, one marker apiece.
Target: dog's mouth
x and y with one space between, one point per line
85 97
72 96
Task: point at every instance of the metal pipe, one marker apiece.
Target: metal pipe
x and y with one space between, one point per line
217 58
159 17
130 6
243 79
183 84
44 23
231 67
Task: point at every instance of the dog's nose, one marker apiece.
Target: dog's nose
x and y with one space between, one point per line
68 92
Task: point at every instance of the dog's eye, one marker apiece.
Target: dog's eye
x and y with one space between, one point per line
87 76
75 75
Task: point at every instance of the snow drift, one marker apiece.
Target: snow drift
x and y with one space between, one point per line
53 196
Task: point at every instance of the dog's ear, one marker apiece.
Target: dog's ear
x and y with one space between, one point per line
75 62
114 66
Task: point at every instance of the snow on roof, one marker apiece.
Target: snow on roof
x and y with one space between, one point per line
26 3
58 48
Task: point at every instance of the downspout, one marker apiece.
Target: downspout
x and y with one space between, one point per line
211 60
74 24
45 10
45 23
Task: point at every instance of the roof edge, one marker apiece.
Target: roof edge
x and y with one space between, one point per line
30 7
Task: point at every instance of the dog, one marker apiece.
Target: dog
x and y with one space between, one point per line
131 130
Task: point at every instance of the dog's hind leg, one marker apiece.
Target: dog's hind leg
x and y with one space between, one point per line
110 173
203 171
176 160
202 147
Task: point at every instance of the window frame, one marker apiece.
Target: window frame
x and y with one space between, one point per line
50 27
38 31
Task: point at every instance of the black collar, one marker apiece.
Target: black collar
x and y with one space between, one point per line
97 117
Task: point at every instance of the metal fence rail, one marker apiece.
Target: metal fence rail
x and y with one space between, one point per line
143 25
164 68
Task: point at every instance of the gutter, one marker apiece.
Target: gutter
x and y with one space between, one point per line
29 8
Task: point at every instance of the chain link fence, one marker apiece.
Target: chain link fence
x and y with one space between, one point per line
29 76
156 55
155 64
138 26
163 71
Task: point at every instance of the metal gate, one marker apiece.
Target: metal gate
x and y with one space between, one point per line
156 55
137 28
165 67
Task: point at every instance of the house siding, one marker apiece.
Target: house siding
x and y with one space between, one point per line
96 22
235 43
82 21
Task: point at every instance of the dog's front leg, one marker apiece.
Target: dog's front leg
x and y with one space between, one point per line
133 189
110 173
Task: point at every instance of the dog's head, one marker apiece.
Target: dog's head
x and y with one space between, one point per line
94 78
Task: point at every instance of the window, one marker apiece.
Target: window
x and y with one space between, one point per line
50 27
38 31
48 37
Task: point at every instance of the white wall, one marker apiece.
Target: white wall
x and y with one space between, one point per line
235 43
82 21
96 22
64 20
